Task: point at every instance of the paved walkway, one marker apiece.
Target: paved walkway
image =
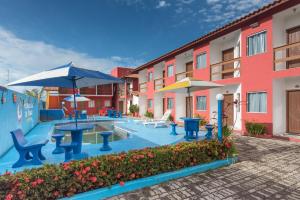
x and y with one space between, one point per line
268 169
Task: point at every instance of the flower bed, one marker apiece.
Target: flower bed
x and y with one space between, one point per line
67 179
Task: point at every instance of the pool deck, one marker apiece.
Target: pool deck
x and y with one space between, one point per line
140 137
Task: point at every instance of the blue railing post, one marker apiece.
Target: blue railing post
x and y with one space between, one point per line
220 99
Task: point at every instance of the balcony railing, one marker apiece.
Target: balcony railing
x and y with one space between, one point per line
225 69
182 75
287 56
143 87
159 83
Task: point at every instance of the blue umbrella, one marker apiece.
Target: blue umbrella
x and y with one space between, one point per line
67 76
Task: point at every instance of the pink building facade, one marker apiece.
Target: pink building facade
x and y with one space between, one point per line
256 58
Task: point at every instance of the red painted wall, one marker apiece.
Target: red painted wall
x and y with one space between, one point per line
256 74
202 74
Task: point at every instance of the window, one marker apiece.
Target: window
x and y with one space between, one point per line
150 76
201 61
170 71
107 103
149 103
201 102
91 104
257 102
256 43
170 103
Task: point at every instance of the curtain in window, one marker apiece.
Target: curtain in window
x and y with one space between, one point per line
257 102
150 103
201 60
201 103
257 44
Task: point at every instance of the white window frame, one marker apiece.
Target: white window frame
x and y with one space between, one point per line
254 92
201 54
107 103
205 102
150 79
170 75
91 104
247 43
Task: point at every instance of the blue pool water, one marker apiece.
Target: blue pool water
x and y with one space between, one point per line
137 136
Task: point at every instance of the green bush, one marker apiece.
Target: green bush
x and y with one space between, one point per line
171 118
226 131
133 108
149 114
203 120
255 129
67 179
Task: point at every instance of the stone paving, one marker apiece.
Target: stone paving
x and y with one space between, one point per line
267 169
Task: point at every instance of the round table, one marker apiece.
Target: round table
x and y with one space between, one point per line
76 135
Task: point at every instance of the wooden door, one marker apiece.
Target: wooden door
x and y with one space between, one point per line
228 109
293 111
121 106
227 68
293 36
189 106
189 68
164 105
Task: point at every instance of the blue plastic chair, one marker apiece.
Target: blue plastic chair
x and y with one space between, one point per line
30 152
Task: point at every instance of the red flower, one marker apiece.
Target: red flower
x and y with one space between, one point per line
7 173
26 180
39 181
122 183
66 166
9 197
119 175
95 163
34 184
56 193
132 176
77 173
87 169
93 179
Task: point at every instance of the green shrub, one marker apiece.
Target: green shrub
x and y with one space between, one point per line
255 129
58 181
203 120
226 131
171 118
133 108
149 114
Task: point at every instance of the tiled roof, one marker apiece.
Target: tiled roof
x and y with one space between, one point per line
267 10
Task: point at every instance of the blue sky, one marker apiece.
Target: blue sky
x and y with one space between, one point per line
100 34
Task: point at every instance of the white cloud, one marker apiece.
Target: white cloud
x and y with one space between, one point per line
24 57
162 4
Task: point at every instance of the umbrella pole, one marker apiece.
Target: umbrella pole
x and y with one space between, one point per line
75 104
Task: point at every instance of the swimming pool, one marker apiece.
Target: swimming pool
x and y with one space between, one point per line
93 137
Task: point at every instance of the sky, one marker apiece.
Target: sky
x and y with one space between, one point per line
100 34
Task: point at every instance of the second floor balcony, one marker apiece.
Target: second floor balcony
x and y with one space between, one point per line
225 69
143 87
287 56
182 75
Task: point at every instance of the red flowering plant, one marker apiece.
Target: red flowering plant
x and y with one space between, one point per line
67 179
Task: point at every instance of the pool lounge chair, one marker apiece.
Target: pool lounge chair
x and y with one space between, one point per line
159 122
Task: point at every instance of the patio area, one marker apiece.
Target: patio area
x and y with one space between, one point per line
268 169
140 136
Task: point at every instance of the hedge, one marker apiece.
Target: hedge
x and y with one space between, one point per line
57 181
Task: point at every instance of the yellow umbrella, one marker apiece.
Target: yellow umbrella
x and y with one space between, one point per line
188 85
